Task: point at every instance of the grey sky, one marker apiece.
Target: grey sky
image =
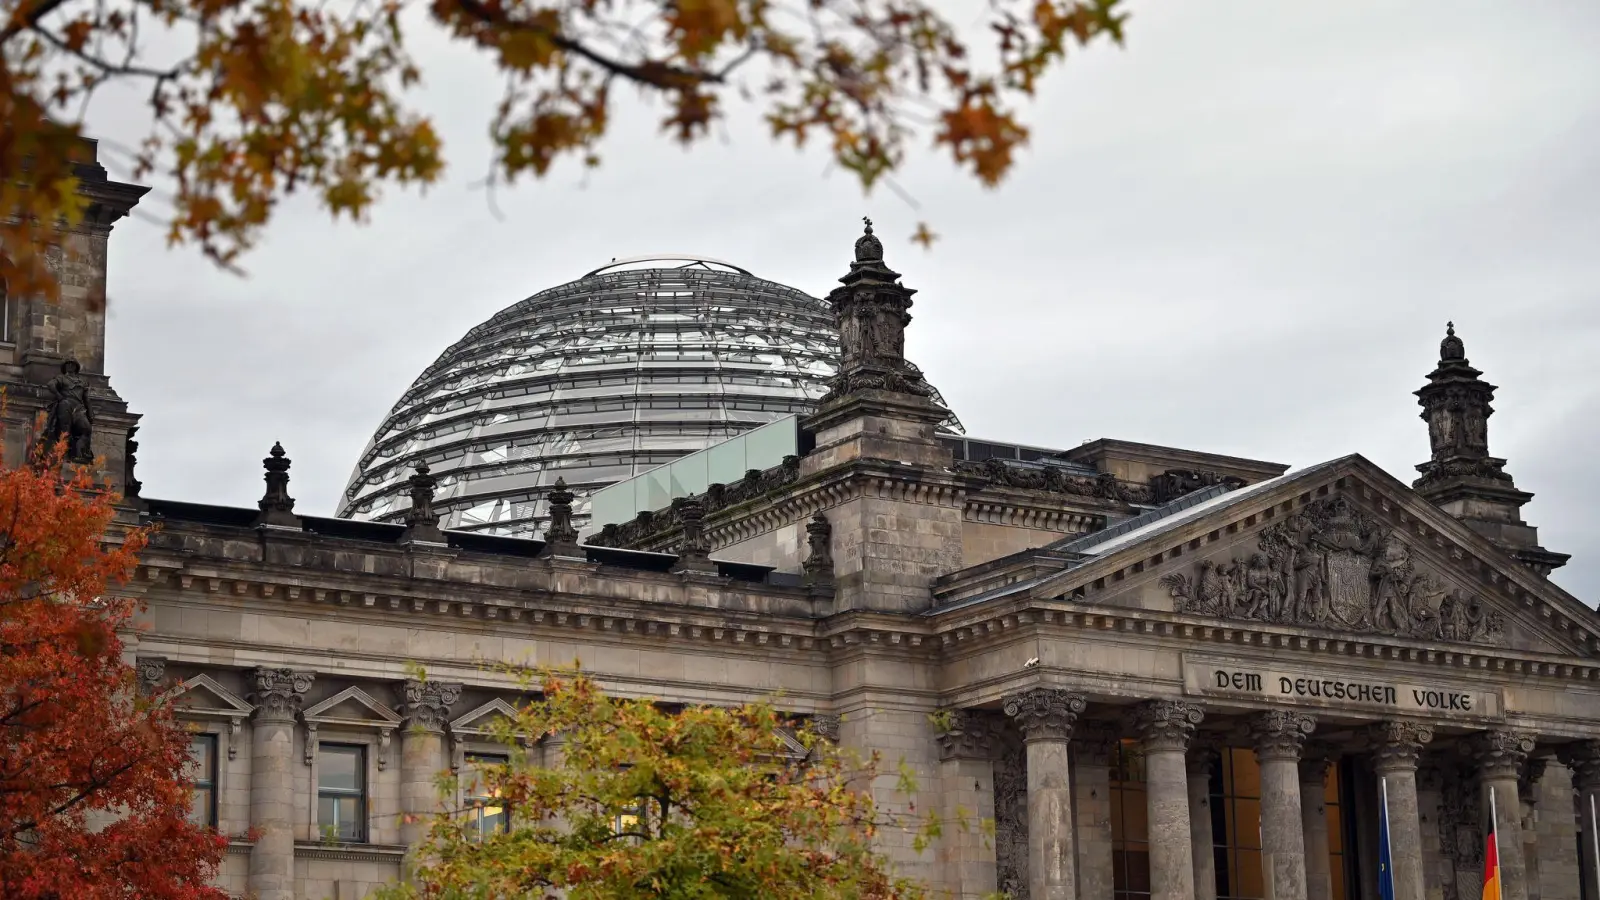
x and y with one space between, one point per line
1242 234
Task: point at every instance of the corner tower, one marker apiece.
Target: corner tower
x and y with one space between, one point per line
1461 477
899 525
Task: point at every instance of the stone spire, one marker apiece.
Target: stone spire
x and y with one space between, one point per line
422 523
277 507
1460 476
870 307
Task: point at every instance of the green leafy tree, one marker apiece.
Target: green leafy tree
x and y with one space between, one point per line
250 101
650 803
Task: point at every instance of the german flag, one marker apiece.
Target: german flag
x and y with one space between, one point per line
1491 864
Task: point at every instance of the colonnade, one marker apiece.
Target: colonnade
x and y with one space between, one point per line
1295 856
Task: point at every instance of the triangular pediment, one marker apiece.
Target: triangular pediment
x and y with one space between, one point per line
480 722
355 707
203 696
1341 547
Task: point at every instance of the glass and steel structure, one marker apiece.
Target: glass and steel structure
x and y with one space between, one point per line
633 365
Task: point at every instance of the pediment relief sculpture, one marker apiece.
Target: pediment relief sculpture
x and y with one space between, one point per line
1332 566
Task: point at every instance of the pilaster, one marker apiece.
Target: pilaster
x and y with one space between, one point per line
1314 822
1582 759
966 775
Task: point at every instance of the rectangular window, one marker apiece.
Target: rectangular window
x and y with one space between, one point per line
486 815
202 774
342 792
1130 830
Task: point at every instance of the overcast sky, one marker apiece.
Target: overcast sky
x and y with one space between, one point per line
1243 233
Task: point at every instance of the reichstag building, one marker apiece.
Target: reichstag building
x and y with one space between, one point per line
1167 673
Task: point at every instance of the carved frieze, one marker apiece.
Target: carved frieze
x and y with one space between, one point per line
1045 714
1011 820
1333 566
1055 480
1280 734
1167 724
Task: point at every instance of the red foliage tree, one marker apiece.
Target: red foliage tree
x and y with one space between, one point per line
93 801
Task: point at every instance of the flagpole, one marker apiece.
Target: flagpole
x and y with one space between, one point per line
1388 836
1594 836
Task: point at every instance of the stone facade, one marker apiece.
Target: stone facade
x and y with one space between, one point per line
1030 641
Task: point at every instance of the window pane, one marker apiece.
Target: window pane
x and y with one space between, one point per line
339 768
200 807
200 755
349 816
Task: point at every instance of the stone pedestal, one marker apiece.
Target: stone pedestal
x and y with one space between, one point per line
1583 758
1165 728
1200 761
1045 717
277 694
1397 747
1279 737
1314 823
425 710
966 775
1500 755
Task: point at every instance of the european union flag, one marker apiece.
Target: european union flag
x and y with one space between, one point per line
1385 858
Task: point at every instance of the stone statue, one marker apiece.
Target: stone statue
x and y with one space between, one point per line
71 416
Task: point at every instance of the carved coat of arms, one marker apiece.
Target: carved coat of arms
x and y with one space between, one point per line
1334 566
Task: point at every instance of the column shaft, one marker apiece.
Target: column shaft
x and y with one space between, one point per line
272 809
277 694
1279 737
1201 839
1046 717
1165 728
1314 822
1500 758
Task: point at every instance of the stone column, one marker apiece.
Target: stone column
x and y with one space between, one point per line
1202 757
966 771
1279 736
1528 809
1046 717
425 711
1164 728
1583 758
1092 747
1396 748
1314 822
277 694
1500 755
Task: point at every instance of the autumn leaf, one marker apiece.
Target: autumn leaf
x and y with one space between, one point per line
278 97
95 781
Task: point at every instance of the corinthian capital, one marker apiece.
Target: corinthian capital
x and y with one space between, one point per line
1583 758
1396 746
1500 754
426 704
1167 724
1279 734
1045 714
967 735
277 693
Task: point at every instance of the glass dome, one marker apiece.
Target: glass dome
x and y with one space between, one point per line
633 365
